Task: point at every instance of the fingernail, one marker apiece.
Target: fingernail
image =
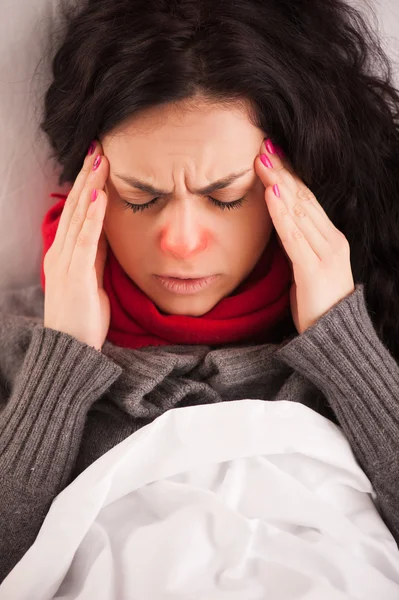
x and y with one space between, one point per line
276 190
266 161
92 147
94 195
97 162
269 146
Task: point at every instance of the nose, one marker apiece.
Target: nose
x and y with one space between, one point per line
184 234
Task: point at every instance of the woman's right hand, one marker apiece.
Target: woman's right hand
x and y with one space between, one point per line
75 301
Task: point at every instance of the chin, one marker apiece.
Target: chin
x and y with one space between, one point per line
188 307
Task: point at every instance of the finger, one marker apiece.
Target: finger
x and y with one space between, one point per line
281 172
294 241
72 200
84 256
96 179
309 218
280 163
311 223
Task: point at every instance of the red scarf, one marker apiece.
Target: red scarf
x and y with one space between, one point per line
250 314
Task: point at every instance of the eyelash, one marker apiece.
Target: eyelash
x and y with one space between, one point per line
222 205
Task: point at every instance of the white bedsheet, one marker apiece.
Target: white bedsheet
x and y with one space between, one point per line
238 500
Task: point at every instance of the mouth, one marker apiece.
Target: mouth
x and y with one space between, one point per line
177 285
182 277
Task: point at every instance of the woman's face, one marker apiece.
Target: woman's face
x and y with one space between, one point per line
179 149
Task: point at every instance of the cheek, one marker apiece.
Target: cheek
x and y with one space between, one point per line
131 243
253 233
128 242
255 228
112 222
121 230
256 221
263 219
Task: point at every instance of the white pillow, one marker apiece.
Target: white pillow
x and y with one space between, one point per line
27 175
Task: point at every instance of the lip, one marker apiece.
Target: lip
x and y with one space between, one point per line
178 276
185 286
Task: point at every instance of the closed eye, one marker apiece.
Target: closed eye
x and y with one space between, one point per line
222 205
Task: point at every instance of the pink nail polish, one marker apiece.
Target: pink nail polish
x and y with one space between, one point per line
97 162
269 146
266 161
94 195
276 190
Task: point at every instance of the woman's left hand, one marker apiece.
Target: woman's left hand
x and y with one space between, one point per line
319 253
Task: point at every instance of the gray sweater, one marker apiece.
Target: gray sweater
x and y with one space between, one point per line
63 404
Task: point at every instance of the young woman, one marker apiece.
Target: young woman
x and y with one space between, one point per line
191 104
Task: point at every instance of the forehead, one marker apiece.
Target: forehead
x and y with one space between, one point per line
184 130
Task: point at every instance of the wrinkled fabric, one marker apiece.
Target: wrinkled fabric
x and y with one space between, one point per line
245 499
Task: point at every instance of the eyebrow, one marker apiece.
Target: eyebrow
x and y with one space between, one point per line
212 187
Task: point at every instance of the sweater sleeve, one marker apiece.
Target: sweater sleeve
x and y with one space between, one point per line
41 427
342 355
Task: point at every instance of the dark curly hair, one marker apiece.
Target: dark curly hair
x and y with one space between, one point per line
306 69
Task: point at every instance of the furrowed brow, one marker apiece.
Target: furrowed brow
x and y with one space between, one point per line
212 187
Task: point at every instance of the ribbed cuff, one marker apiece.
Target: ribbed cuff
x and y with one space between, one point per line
344 357
43 421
